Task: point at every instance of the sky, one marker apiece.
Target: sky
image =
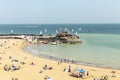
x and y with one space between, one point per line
59 11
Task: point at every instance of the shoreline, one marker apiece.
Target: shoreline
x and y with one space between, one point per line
32 52
30 71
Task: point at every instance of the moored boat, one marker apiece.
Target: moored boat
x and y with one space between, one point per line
53 43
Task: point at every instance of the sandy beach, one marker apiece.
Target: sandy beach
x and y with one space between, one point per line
30 67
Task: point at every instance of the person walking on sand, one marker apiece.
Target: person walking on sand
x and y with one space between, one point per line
113 75
12 78
87 73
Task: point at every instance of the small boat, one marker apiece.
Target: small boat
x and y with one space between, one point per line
53 43
72 30
76 33
40 32
56 31
45 30
79 29
11 30
45 42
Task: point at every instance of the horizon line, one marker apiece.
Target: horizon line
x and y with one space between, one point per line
50 23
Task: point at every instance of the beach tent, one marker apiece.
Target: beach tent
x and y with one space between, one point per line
82 71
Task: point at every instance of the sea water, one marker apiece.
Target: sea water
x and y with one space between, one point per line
100 42
101 50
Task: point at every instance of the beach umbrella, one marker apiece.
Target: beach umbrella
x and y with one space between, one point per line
82 71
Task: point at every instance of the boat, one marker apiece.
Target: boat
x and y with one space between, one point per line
56 31
11 30
53 43
45 42
56 42
72 30
79 29
76 33
40 32
45 30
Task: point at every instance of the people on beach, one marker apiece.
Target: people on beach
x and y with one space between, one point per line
46 67
10 57
58 63
105 77
6 67
102 78
87 73
32 63
69 69
47 78
14 78
13 67
19 61
113 74
40 71
0 58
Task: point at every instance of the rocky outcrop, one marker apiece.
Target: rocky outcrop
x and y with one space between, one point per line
66 37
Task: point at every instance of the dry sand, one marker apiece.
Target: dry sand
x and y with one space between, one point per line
14 48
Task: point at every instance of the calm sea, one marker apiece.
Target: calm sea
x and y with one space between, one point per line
51 28
100 42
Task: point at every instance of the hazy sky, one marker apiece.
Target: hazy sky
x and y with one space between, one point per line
59 11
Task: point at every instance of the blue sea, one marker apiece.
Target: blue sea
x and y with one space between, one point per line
100 42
